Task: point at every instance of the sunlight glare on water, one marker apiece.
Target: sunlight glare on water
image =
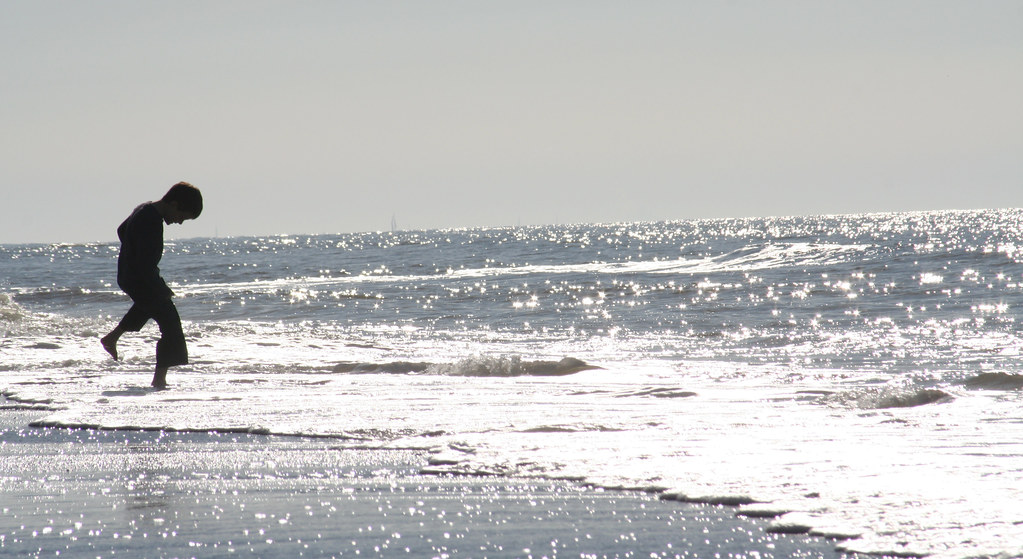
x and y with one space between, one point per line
858 372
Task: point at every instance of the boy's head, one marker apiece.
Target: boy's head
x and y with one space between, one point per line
186 199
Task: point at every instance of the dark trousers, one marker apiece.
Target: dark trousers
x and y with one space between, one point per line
171 349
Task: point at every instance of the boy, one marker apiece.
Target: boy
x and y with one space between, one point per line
138 275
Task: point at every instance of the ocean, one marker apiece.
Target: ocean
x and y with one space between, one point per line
852 376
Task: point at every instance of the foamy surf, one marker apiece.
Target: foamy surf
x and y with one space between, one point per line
479 366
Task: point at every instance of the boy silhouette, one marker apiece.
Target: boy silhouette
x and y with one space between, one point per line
138 275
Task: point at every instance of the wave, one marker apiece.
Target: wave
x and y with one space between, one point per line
662 392
571 429
300 288
750 257
480 366
9 401
995 381
11 405
69 296
365 438
720 500
888 398
9 310
777 255
396 367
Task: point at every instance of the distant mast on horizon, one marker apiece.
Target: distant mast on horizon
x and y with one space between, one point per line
394 224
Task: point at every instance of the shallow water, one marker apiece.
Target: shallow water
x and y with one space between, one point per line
861 372
158 494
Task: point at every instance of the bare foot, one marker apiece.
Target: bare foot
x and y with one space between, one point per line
110 344
160 379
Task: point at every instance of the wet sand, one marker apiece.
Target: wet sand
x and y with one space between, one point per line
83 493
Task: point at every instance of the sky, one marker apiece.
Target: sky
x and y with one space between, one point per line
335 116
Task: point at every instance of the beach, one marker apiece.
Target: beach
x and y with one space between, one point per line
852 378
133 493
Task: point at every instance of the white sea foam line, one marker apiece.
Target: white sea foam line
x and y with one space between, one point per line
767 257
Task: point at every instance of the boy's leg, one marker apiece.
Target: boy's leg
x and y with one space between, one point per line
133 321
171 349
160 378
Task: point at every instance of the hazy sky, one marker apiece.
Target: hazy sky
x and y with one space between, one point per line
332 116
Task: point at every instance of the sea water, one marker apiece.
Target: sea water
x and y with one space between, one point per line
853 376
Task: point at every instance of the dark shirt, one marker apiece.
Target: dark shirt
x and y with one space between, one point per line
138 270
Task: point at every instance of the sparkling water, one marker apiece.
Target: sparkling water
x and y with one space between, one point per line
855 376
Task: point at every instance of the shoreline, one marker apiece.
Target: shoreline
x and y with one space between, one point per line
100 493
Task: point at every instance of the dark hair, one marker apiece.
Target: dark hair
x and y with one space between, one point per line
188 198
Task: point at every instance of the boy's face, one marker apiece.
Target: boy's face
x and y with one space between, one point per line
176 215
